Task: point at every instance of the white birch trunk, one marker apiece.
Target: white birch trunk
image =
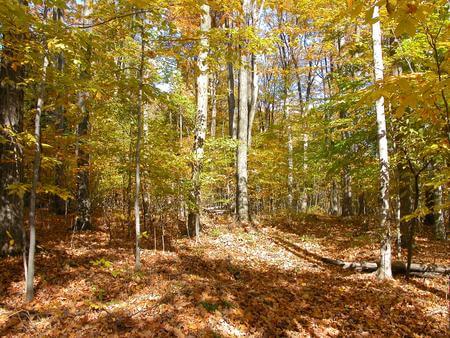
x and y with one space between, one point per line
385 270
201 122
29 281
290 149
137 264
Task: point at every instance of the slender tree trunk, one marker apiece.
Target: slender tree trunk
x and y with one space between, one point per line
11 123
413 223
129 183
290 148
83 218
334 209
59 204
254 88
304 204
362 204
11 205
347 209
404 196
29 281
385 270
439 222
214 84
398 226
137 254
242 149
232 116
180 128
201 124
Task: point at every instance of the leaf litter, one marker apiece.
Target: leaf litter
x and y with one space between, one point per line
255 281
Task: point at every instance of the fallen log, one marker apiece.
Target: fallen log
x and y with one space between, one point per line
398 267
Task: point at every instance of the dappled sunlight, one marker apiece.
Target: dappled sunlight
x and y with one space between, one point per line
225 285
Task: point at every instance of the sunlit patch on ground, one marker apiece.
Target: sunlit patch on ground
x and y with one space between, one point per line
258 281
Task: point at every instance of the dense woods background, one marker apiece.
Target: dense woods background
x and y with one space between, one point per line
151 120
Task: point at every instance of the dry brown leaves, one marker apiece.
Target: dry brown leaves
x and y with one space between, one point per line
236 282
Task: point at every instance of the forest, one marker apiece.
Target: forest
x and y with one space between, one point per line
224 168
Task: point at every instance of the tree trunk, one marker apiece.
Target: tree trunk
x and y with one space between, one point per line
404 196
334 208
83 218
362 207
254 87
232 116
129 183
58 204
347 209
413 223
429 203
29 281
137 254
384 270
290 148
439 223
11 119
433 201
201 124
242 149
214 84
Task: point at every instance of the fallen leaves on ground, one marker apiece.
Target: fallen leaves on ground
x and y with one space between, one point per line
236 282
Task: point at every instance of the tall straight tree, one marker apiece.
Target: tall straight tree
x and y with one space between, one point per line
214 85
83 219
29 280
253 78
11 123
232 116
384 270
243 118
137 265
59 205
201 121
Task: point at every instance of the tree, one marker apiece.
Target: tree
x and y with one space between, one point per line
201 121
137 214
84 204
384 271
243 123
11 119
36 165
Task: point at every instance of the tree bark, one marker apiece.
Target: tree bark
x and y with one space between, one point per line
36 164
214 84
254 88
334 207
384 270
347 208
137 254
11 120
83 218
397 267
232 116
242 148
59 204
290 148
404 195
201 124
439 222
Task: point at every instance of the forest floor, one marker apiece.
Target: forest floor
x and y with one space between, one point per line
260 281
